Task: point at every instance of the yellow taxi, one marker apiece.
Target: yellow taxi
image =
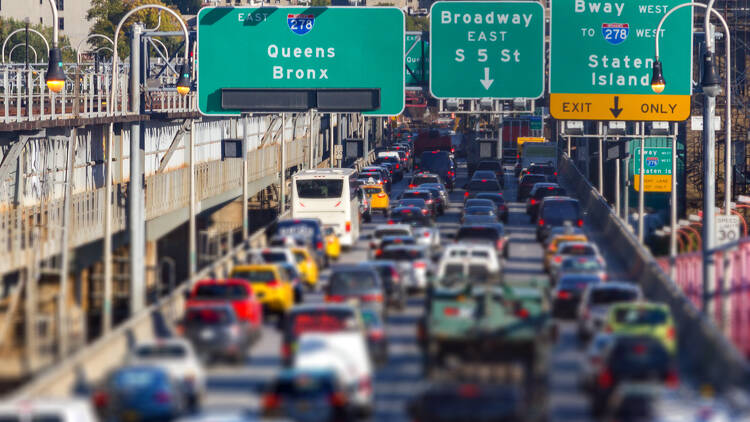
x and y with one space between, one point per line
555 242
332 243
272 290
643 318
379 200
306 265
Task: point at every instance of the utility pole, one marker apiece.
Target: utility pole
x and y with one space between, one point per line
641 194
136 198
245 140
709 187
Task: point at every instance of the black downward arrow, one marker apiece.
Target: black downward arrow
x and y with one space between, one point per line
616 110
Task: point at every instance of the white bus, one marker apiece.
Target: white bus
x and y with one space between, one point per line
332 195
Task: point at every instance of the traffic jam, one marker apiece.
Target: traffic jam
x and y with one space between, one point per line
437 284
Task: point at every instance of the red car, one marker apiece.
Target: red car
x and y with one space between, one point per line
238 293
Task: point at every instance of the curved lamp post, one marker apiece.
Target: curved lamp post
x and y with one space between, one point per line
55 76
78 47
33 31
10 54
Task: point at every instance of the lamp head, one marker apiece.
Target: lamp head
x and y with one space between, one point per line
183 83
710 82
55 77
657 78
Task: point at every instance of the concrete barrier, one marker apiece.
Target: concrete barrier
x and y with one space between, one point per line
704 353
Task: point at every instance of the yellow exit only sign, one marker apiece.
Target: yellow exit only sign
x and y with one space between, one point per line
654 183
620 107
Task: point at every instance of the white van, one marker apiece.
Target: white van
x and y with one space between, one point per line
330 195
346 354
49 409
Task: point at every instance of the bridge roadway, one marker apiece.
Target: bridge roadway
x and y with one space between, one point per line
232 389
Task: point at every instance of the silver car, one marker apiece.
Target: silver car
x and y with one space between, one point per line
596 301
413 263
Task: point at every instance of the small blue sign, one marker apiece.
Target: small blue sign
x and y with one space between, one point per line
615 33
300 24
652 161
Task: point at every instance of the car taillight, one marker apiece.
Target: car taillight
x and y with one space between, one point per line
580 223
555 173
558 259
319 245
338 399
522 313
672 380
466 194
348 226
397 166
499 244
425 212
376 334
426 234
420 265
372 298
273 283
365 384
100 399
378 252
271 401
604 380
286 351
390 222
468 390
533 201
450 311
411 186
394 275
541 222
562 294
334 298
608 329
670 333
162 397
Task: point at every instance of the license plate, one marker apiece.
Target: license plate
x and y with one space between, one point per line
207 334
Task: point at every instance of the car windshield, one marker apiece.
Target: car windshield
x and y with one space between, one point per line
483 174
640 316
411 202
379 234
397 241
544 191
435 160
577 283
610 295
480 219
137 378
319 188
372 191
402 254
585 250
219 291
296 228
273 256
560 211
480 211
530 179
208 316
541 170
484 185
581 264
496 198
299 256
417 194
480 233
342 281
322 321
305 386
161 351
478 202
255 275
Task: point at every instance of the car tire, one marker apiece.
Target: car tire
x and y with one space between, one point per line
367 217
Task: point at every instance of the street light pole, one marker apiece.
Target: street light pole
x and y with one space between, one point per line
641 196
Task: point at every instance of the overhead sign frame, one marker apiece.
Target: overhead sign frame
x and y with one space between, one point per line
424 43
380 91
488 78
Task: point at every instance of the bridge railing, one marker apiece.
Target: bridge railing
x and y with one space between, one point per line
704 353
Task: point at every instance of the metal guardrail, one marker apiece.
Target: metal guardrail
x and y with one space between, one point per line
704 353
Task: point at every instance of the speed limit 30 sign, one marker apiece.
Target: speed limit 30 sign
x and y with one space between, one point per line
727 229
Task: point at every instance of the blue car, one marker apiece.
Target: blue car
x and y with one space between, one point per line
139 393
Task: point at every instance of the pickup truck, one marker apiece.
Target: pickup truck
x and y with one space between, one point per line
236 292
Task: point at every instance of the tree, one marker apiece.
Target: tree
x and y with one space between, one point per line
106 14
417 23
321 2
8 25
186 7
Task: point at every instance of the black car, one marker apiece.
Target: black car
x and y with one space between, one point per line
395 291
423 177
631 358
547 170
555 211
499 200
527 182
415 203
216 332
348 281
568 292
478 202
539 192
454 401
494 166
410 215
398 168
479 210
425 194
438 197
440 163
475 187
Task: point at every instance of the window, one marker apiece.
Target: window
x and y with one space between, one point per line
61 23
60 4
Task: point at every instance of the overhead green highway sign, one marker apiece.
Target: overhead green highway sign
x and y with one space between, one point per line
602 55
417 57
486 49
294 58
